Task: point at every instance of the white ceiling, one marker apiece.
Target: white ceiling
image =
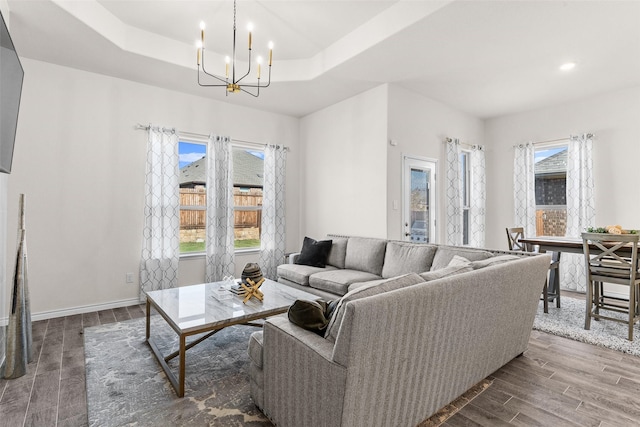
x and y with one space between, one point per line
486 58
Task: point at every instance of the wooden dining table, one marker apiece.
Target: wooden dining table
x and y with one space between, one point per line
559 244
556 245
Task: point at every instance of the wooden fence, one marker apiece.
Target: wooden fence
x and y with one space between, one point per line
194 217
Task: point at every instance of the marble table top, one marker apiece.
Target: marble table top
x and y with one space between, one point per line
199 307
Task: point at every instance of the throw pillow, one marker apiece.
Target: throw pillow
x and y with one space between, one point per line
314 252
493 261
313 316
458 260
450 270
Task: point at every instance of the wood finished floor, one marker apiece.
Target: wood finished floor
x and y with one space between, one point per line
558 382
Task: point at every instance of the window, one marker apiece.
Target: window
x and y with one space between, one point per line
465 203
247 195
551 190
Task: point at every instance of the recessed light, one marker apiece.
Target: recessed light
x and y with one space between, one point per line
568 66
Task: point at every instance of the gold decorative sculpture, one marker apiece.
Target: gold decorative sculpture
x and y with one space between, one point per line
19 340
253 290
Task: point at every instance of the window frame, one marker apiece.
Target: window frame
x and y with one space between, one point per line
543 147
198 141
465 202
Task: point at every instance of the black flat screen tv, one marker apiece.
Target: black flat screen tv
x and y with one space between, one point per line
11 77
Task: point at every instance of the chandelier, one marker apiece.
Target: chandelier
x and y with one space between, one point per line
231 81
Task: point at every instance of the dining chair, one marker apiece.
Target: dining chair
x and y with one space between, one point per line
549 293
611 258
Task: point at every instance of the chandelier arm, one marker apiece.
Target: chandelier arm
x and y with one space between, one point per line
252 94
223 84
209 74
259 85
248 71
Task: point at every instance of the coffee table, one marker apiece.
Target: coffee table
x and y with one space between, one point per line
192 310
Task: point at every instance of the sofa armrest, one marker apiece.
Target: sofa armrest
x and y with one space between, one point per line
299 373
293 257
313 341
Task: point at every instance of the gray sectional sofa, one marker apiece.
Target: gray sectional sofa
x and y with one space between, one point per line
416 326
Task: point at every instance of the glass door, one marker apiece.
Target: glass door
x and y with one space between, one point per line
418 194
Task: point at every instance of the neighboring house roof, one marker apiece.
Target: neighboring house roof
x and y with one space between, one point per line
245 166
552 165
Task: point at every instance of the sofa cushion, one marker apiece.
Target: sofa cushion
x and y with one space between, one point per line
444 254
365 254
402 258
300 273
493 261
367 291
314 252
338 252
255 348
337 281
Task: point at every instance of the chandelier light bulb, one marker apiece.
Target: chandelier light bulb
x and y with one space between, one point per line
270 45
202 25
250 27
259 61
568 66
227 59
199 44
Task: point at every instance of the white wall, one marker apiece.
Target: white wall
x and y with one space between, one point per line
614 118
81 165
344 177
420 126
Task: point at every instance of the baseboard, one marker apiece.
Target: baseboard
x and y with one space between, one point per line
43 315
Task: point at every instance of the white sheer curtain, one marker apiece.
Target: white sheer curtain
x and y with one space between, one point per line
478 197
220 218
161 231
273 239
524 188
453 194
581 210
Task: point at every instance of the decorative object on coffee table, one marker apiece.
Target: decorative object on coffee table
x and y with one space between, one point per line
19 341
251 271
253 290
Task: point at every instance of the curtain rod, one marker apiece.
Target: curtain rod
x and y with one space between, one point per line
588 135
474 146
138 126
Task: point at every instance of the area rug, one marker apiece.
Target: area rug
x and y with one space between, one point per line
568 322
127 387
